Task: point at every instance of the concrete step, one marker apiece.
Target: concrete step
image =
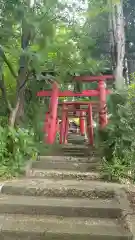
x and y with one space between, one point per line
75 149
91 159
78 150
65 188
78 155
82 153
76 140
75 146
75 154
66 207
63 174
22 227
76 137
82 167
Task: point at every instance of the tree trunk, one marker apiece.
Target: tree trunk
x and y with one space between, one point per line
22 77
118 41
13 114
126 71
112 30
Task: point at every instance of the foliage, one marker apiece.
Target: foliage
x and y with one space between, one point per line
43 36
16 148
117 140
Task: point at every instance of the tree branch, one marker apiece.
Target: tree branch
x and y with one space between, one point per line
4 94
24 82
23 62
2 54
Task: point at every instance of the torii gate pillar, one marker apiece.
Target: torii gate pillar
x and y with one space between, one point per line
52 126
82 123
90 125
102 102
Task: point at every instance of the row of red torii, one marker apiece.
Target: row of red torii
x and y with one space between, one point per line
68 109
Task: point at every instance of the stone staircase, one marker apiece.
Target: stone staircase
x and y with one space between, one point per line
62 198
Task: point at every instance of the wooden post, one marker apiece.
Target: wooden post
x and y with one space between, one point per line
90 125
63 123
46 127
53 113
82 123
102 104
58 127
86 129
66 129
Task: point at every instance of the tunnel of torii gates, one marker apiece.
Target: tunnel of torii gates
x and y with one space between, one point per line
75 109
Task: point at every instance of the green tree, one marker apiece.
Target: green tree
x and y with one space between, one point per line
45 36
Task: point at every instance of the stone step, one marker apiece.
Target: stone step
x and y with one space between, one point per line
76 146
80 147
76 139
78 142
75 154
22 227
65 188
82 167
63 174
75 149
66 207
79 152
91 159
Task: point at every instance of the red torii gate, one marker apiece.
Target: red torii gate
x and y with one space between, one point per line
51 116
68 93
81 113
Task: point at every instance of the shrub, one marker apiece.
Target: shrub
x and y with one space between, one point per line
117 140
16 147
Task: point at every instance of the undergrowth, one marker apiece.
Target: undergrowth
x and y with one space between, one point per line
17 146
117 140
